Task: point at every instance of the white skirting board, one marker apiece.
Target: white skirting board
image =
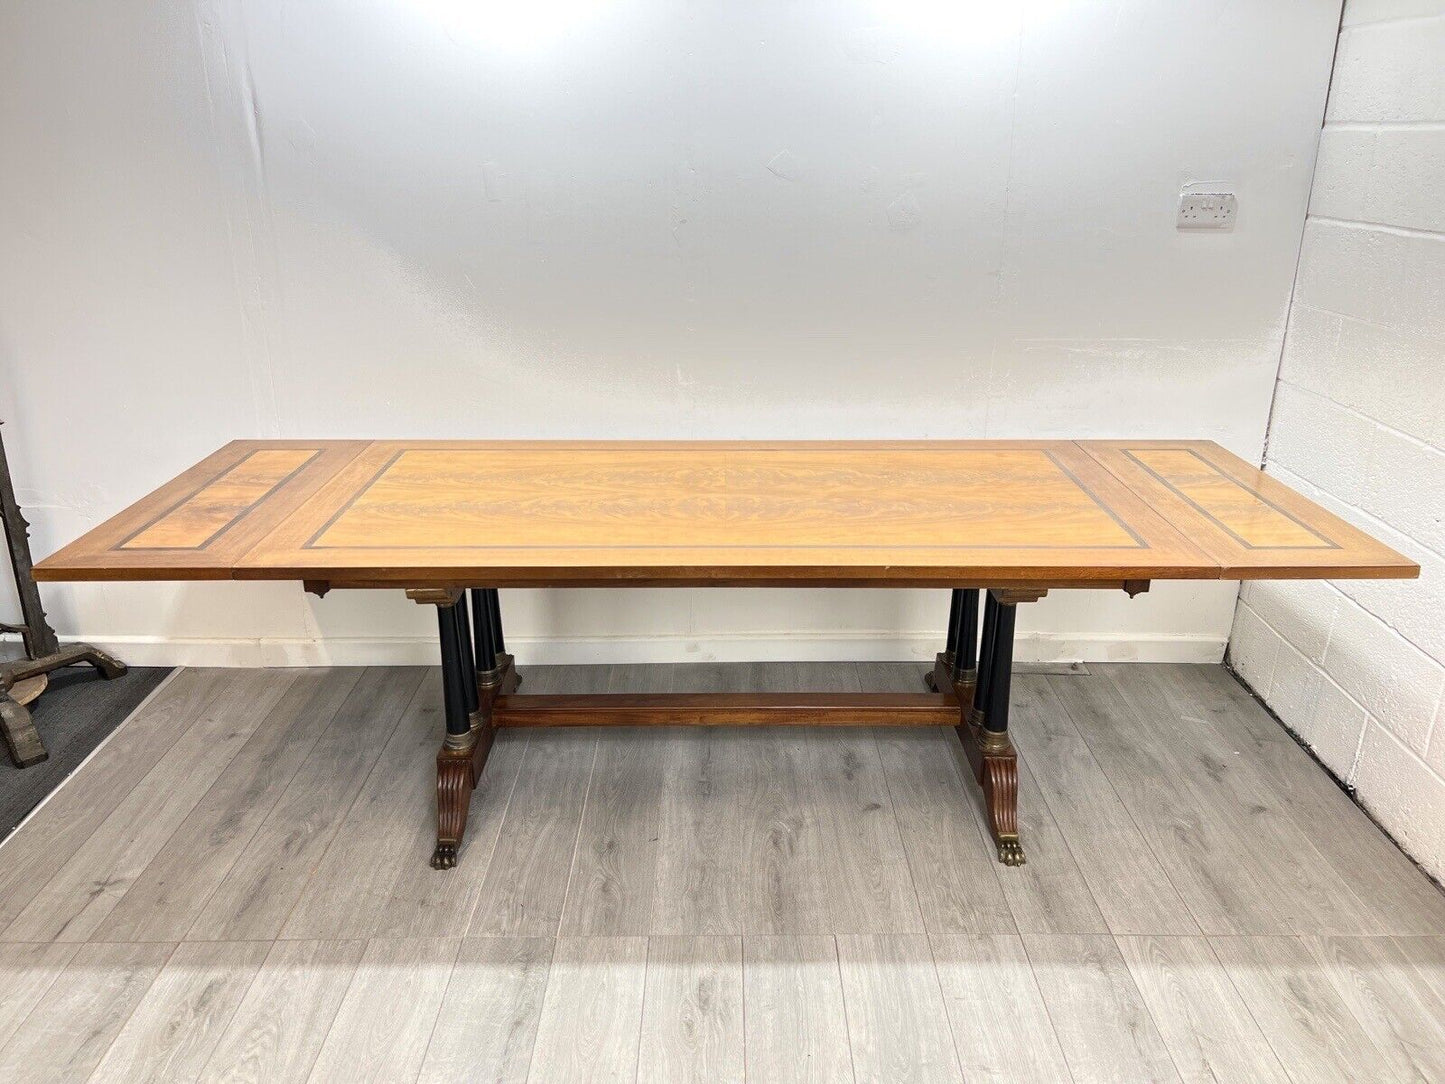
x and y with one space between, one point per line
884 646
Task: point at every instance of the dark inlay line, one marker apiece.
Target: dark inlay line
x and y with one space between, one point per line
121 545
1327 543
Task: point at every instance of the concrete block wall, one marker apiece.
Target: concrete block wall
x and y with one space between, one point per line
1357 669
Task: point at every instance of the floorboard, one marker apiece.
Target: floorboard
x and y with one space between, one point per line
175 1028
795 1028
701 813
1379 873
1295 1001
990 979
692 1017
165 899
897 1026
1102 1023
1204 1023
591 1021
268 879
1401 1011
1127 881
27 971
527 878
383 1025
487 1024
349 888
282 1022
54 832
951 860
74 903
70 1028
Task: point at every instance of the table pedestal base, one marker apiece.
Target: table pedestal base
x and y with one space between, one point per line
480 682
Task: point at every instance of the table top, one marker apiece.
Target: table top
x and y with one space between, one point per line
994 513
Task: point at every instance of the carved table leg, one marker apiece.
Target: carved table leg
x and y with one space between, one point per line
984 729
455 778
472 679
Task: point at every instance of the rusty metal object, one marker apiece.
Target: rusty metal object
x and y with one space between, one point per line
23 680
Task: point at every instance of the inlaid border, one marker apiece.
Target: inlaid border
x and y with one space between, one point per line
1327 543
312 543
121 547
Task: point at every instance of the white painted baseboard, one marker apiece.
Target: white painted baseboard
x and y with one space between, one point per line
763 647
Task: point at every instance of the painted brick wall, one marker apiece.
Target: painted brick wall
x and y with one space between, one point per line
1358 669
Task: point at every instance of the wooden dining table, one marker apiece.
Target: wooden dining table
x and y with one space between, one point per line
997 523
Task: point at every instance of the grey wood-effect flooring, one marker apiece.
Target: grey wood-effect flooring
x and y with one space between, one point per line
78 711
236 888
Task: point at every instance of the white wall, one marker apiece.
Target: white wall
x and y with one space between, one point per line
1358 668
646 219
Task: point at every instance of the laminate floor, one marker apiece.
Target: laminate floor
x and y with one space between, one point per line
237 888
76 713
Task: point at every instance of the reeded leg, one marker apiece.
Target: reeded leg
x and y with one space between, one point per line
984 728
473 676
998 768
455 773
495 613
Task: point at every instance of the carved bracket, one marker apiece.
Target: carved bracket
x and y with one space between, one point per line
1013 596
434 596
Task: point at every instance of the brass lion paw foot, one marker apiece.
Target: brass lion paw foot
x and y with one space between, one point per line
1010 852
445 856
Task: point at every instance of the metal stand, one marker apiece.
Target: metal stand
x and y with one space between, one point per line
43 652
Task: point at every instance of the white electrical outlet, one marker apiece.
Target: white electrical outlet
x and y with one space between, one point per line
1207 210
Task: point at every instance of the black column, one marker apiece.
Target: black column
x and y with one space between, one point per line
955 601
456 661
1002 664
985 657
486 648
495 609
964 633
469 657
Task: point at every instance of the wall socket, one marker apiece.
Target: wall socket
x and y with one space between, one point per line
1207 210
